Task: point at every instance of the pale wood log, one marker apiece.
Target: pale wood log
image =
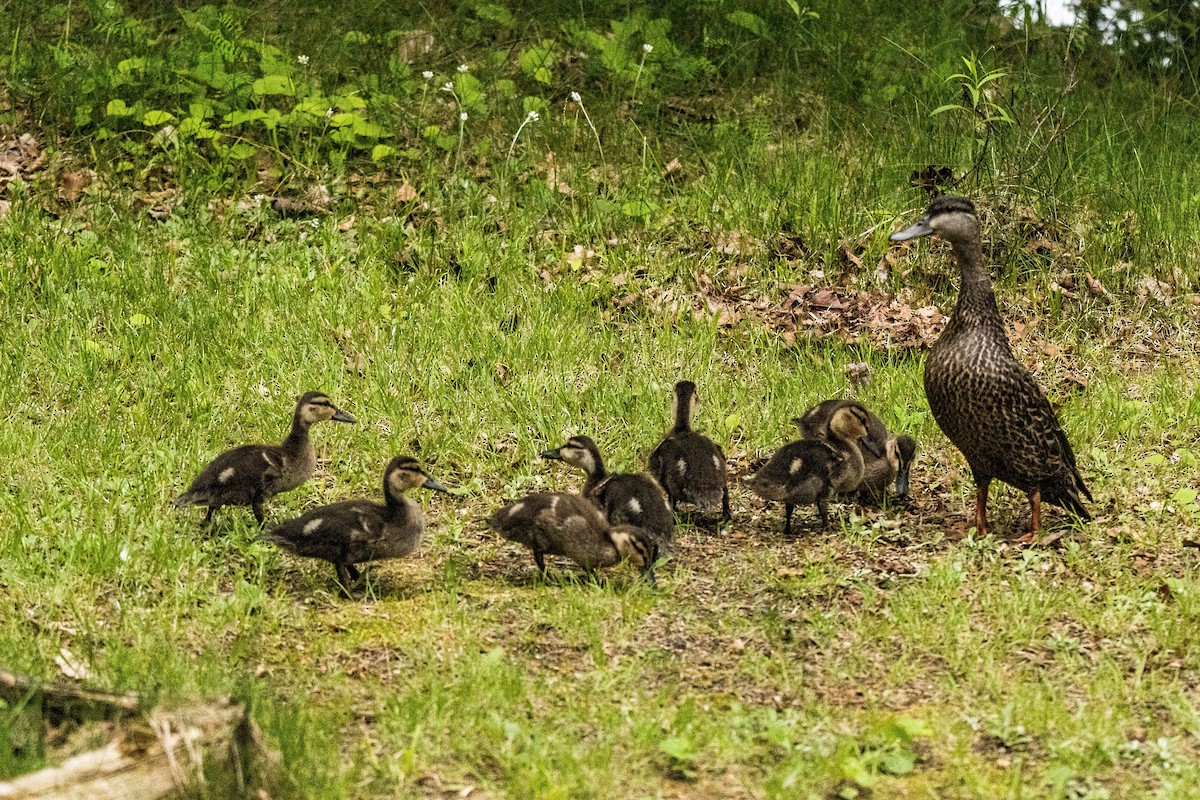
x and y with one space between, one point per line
149 759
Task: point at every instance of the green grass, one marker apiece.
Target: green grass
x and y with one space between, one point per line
890 658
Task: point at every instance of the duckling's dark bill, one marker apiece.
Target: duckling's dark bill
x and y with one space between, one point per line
430 483
342 416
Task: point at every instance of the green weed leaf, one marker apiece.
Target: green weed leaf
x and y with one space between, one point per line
153 119
638 208
751 22
273 85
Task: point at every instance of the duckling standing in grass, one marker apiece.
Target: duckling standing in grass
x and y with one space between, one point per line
983 399
812 471
626 498
355 531
689 465
879 473
249 475
570 525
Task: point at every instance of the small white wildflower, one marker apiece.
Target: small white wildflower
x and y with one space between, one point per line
575 98
649 48
328 112
532 116
447 87
427 74
463 68
463 116
124 554
303 59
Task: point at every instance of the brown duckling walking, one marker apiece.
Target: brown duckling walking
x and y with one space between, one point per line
813 471
983 399
356 531
880 473
251 474
569 525
626 498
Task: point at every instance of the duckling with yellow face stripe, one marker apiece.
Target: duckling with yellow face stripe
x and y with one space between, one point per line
880 473
626 498
356 531
811 471
251 474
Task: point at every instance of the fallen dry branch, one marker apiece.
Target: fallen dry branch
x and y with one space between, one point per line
151 757
67 701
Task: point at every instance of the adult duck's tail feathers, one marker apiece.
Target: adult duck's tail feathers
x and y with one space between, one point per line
1068 498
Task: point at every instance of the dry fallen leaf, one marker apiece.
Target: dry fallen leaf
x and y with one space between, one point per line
405 193
71 185
673 171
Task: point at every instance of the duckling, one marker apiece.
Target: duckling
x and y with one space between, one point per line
570 525
251 474
812 471
625 498
354 531
689 465
878 473
982 398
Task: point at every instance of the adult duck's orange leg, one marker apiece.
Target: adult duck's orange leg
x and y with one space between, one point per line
981 498
1035 508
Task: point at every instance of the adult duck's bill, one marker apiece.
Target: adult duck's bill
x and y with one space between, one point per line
915 231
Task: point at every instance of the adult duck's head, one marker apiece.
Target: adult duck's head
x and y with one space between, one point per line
949 217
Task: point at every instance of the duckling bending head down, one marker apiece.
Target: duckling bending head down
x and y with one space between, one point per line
625 498
879 472
569 525
356 531
689 465
982 398
251 474
813 471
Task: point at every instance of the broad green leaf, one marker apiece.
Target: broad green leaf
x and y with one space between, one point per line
240 150
638 208
751 22
677 748
241 117
349 102
366 129
495 13
1185 496
381 151
117 108
897 762
152 119
273 85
